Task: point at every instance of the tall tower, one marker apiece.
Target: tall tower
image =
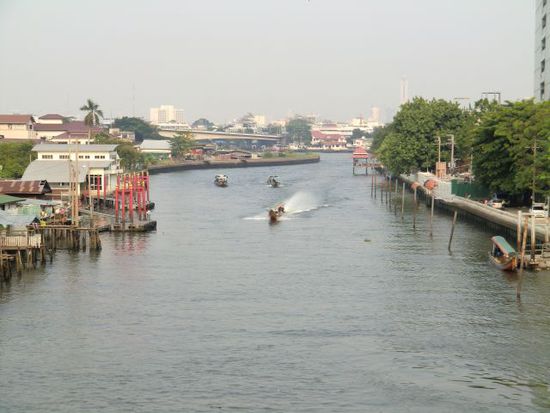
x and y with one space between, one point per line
542 50
404 90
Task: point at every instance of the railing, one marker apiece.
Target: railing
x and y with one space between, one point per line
20 241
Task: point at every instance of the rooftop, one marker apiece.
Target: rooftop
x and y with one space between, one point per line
23 119
71 127
153 144
63 147
58 170
36 187
52 116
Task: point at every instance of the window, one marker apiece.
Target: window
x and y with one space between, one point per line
543 43
47 156
99 157
83 156
63 156
542 87
95 182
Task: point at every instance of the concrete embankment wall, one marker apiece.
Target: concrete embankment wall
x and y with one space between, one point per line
233 163
501 221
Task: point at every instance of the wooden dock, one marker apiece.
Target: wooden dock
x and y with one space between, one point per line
23 249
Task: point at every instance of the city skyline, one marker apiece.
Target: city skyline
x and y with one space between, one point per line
335 60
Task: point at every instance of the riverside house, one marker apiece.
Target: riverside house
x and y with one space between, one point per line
98 166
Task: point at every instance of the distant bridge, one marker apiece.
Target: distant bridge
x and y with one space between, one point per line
208 136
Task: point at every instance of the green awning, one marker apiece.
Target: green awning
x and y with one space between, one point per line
8 199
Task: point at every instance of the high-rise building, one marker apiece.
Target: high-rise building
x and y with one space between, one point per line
166 114
542 36
374 114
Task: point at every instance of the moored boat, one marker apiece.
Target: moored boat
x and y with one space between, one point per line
275 213
502 254
273 181
221 180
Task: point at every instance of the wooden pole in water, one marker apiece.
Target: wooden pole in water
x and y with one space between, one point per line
403 201
518 233
371 185
414 209
375 181
522 258
452 230
432 217
533 237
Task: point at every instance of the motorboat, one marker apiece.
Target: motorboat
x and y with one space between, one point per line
273 181
276 213
221 180
502 254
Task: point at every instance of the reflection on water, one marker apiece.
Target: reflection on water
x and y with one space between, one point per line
221 311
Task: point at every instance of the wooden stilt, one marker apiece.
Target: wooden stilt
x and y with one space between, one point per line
432 216
452 230
403 202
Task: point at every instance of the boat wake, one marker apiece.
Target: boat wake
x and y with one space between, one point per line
302 202
298 203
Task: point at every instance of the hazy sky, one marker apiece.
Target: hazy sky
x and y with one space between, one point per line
221 58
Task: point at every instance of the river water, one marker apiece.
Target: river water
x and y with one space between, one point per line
340 307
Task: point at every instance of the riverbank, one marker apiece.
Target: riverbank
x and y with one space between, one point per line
234 163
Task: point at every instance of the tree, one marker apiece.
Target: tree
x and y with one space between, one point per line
299 130
356 134
378 135
14 159
413 132
130 157
93 113
181 144
141 129
512 149
203 123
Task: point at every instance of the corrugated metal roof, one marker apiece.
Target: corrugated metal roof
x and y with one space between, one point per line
153 144
58 170
15 220
63 147
8 199
37 187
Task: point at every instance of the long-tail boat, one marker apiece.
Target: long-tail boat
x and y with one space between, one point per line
502 254
275 213
221 180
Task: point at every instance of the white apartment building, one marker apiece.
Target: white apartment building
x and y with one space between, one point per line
542 57
166 114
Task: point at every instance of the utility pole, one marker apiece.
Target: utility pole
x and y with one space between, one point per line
452 153
534 170
438 149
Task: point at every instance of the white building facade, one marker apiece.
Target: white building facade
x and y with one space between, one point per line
98 167
542 43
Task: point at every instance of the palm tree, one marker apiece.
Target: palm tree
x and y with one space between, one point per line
94 113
